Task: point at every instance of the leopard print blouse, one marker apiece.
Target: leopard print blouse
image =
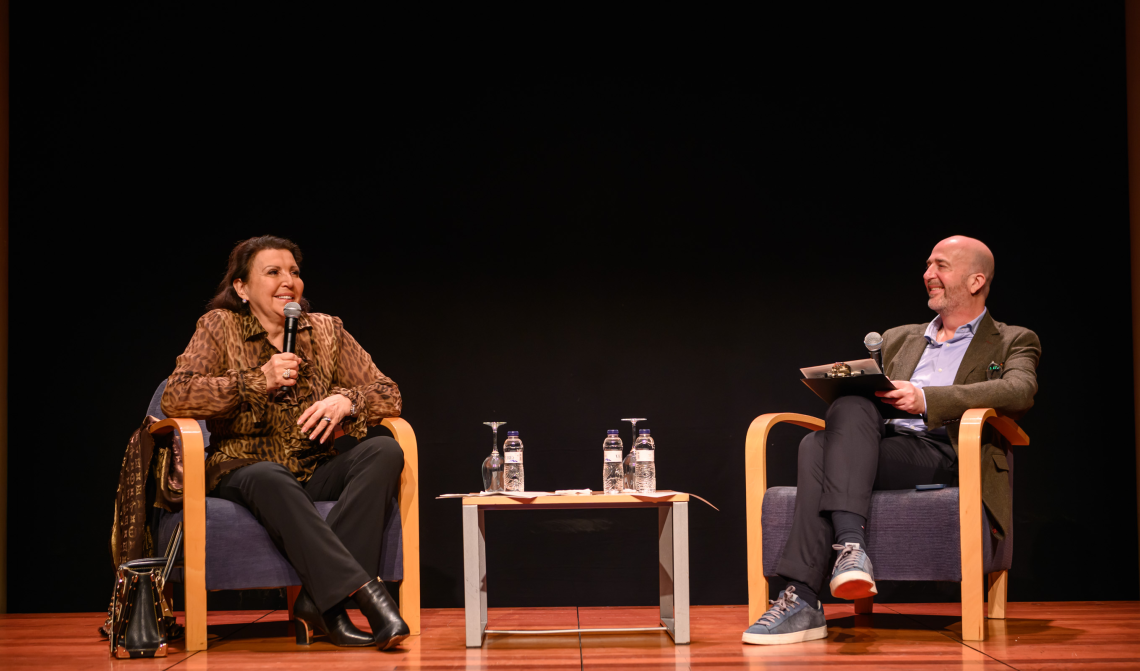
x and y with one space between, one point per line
218 378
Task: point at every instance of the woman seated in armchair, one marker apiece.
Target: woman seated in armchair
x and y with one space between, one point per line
272 415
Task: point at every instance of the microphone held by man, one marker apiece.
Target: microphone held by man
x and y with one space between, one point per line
874 344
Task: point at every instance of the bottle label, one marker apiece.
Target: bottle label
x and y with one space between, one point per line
645 455
513 457
613 456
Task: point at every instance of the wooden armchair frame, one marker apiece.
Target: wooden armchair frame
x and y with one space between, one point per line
970 514
194 524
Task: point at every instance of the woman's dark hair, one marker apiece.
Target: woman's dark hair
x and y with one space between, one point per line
240 259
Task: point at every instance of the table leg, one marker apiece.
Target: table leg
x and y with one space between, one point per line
673 569
474 576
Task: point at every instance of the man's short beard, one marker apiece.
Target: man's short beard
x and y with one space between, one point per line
948 301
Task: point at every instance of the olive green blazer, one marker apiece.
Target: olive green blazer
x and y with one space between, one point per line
1010 392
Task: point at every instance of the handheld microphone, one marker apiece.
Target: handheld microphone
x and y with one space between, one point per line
292 312
874 344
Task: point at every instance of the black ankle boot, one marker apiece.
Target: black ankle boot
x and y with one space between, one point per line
388 628
333 623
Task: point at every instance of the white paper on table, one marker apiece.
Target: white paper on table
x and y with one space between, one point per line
513 495
662 495
570 492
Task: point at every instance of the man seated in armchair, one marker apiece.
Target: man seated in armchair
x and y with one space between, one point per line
962 359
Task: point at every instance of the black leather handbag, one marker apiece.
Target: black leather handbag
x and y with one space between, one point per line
140 622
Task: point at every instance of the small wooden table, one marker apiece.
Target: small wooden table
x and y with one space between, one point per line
672 547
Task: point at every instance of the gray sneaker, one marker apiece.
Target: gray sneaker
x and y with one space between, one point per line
789 620
852 577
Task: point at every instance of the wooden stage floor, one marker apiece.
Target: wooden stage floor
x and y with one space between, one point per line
1072 635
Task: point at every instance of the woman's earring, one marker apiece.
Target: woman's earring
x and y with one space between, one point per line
244 301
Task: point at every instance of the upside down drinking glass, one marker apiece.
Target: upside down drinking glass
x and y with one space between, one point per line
493 465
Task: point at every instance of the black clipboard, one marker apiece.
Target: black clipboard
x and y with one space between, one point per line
831 388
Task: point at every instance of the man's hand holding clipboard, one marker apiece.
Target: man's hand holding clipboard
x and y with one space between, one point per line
905 397
863 378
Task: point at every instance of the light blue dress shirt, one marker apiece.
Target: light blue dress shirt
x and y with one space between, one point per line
938 367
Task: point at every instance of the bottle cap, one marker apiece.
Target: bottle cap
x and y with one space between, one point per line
512 433
612 432
642 432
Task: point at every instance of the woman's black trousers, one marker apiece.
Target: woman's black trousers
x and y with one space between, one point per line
333 557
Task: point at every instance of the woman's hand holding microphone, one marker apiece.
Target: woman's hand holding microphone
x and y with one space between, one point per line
281 371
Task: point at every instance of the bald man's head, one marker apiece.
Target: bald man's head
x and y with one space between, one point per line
958 275
972 255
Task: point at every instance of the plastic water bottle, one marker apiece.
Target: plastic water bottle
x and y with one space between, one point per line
645 475
513 463
493 472
613 479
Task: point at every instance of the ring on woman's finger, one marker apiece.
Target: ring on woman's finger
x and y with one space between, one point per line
326 419
287 373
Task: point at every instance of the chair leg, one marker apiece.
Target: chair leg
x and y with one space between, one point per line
195 618
999 582
757 598
291 594
865 606
194 583
973 598
410 595
758 587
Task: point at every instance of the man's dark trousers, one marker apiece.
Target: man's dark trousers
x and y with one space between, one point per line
336 557
840 466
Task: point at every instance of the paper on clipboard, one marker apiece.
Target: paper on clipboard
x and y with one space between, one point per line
858 367
865 380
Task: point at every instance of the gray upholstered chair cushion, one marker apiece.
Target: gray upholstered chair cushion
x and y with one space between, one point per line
911 535
239 553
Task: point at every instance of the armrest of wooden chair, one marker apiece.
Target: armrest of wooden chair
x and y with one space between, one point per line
970 515
193 524
756 483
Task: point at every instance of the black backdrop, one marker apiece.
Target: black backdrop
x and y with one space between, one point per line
528 219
